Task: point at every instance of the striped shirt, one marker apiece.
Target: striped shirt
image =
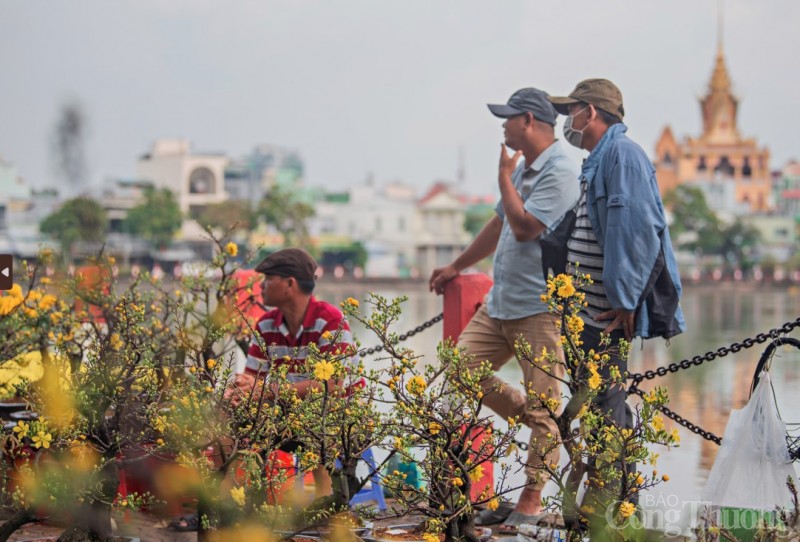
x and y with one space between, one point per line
284 349
583 249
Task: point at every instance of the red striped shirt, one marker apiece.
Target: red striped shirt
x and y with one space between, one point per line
283 348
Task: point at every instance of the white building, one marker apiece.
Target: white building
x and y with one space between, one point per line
382 218
440 235
196 180
404 235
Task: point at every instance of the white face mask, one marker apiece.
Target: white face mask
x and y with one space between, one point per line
575 137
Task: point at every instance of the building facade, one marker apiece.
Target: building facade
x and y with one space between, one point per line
733 171
197 180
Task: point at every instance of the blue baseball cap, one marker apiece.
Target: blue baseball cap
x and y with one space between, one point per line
527 100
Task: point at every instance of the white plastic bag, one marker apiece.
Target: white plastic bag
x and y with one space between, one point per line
753 462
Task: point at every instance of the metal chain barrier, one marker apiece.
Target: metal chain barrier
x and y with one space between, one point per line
638 378
419 329
749 342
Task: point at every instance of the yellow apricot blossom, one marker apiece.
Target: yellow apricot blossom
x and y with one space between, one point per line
657 422
237 494
416 385
626 509
42 440
232 249
323 370
476 473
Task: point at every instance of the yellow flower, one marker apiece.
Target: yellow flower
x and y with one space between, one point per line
493 504
626 509
47 302
566 289
575 324
232 249
665 478
211 363
323 370
434 428
21 429
658 422
350 301
458 482
115 342
327 336
237 494
416 385
476 473
676 437
16 292
42 440
595 380
430 537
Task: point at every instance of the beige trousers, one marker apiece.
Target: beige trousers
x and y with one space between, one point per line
487 338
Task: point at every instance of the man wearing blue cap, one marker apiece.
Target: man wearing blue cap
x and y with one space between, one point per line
535 193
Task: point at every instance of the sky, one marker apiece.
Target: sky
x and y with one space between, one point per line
396 90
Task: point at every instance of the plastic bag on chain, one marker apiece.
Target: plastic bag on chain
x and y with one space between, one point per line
753 462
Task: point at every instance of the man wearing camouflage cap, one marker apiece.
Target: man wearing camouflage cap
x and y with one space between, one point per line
620 236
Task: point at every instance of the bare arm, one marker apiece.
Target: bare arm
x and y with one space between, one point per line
525 226
482 246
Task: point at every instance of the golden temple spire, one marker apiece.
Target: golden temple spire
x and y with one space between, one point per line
719 106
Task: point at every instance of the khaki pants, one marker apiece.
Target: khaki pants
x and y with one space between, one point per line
487 338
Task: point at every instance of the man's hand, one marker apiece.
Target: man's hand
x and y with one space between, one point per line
242 385
619 317
508 163
440 276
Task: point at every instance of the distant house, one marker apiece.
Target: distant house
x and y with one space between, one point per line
196 179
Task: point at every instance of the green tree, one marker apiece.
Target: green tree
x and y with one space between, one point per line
283 211
157 218
476 218
226 214
691 214
738 241
79 219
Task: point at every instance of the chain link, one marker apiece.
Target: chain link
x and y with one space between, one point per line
638 378
419 329
683 421
749 342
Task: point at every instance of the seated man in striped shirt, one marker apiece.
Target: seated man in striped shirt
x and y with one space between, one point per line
297 320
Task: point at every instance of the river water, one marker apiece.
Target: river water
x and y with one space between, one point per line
716 315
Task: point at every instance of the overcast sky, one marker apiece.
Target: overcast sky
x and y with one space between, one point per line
368 86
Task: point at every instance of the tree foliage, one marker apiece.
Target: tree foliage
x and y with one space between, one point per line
228 215
698 228
157 218
476 218
282 210
79 219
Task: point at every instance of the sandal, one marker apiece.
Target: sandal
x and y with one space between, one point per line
186 523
